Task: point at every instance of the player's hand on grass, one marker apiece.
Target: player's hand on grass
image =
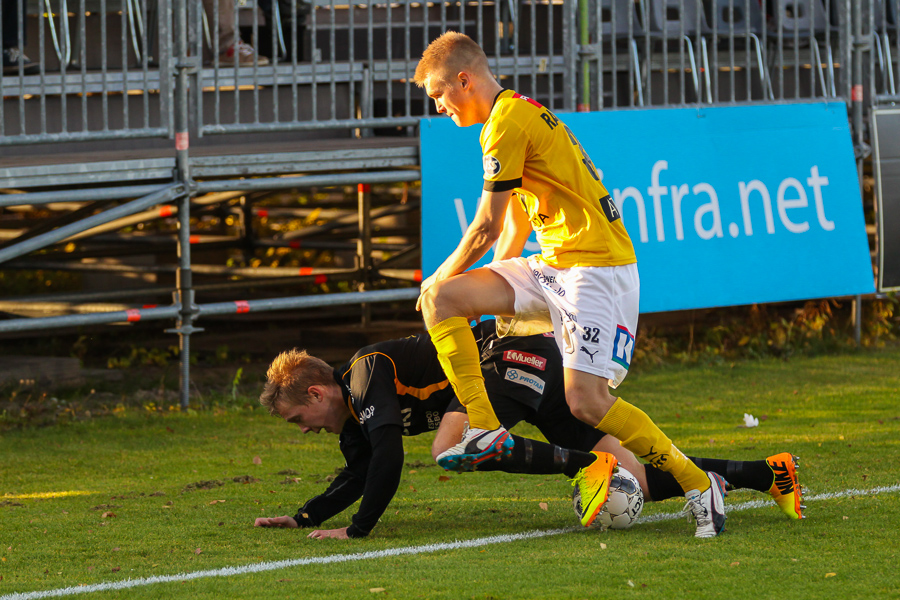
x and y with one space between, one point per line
285 521
338 534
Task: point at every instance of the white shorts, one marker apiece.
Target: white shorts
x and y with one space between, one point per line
592 312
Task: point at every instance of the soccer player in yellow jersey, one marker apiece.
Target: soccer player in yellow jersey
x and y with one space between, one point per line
583 286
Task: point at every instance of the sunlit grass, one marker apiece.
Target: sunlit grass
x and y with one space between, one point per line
110 499
46 495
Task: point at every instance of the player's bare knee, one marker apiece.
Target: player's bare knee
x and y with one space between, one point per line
579 404
435 452
588 404
442 301
438 446
581 412
438 304
428 300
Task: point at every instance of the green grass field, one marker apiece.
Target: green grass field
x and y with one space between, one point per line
111 499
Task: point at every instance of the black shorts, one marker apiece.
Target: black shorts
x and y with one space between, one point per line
553 419
523 377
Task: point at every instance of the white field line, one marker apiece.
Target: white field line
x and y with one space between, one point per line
410 550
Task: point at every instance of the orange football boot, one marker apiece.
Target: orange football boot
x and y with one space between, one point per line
785 489
593 485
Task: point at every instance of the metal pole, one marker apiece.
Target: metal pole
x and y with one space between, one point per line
184 293
237 307
860 46
584 39
90 195
307 181
300 302
364 245
61 233
247 234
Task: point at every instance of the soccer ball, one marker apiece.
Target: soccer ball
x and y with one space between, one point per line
623 506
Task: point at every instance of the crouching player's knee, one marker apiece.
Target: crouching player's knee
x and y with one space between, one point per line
453 424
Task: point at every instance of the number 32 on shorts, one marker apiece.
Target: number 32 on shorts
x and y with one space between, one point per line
623 346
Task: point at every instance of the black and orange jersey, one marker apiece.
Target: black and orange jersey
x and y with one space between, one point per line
398 382
393 389
398 388
527 149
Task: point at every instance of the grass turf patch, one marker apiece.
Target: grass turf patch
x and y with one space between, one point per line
140 495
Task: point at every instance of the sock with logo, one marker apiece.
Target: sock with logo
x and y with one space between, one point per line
539 458
458 355
638 433
750 474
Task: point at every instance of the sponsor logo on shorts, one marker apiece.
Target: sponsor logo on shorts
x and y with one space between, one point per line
525 358
526 379
589 353
549 282
491 166
434 419
623 346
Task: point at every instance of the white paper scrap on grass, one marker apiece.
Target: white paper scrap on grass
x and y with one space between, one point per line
409 550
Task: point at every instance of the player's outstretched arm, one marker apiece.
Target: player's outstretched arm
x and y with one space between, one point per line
285 521
481 234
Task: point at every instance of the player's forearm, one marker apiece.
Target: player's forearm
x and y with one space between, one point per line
481 234
382 481
340 495
475 244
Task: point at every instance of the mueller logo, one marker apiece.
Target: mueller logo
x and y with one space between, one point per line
525 358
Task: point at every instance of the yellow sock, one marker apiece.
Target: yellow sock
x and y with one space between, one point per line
638 433
458 355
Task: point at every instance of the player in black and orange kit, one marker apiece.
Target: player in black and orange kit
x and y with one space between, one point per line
384 392
583 286
397 388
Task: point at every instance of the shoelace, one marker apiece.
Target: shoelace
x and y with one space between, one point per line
578 477
465 431
694 508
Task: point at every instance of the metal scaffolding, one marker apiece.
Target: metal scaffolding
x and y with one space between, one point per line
152 125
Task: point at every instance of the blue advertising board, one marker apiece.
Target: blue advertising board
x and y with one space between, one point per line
725 205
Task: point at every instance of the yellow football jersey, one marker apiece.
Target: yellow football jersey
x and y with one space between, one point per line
527 149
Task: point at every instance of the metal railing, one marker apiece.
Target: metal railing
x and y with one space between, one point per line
348 66
153 76
96 82
351 65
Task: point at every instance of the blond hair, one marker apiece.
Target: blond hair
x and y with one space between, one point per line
290 376
449 54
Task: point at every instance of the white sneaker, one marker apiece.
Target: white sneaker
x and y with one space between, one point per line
476 446
11 57
708 507
241 54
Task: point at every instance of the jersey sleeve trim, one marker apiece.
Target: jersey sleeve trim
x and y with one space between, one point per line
402 389
502 186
